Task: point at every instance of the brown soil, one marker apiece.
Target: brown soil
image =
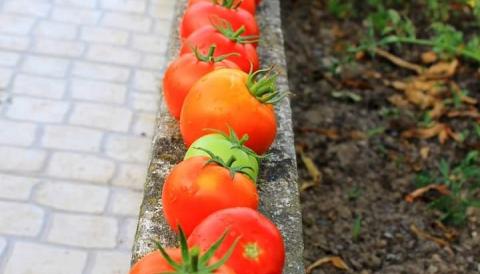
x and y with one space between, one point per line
366 176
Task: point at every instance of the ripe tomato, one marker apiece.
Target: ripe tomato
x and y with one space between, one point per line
248 5
201 14
182 73
260 249
231 98
227 147
172 259
196 188
227 40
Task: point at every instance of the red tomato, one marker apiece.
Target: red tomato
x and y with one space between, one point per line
226 42
182 73
202 14
248 5
195 189
260 249
183 260
231 98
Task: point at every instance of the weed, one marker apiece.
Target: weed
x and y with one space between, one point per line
354 193
463 181
357 228
340 9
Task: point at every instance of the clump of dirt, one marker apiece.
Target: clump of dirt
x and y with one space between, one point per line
357 210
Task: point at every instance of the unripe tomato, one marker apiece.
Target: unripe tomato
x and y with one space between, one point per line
182 73
201 14
226 147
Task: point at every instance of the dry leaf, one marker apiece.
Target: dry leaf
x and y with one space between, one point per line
443 189
424 152
424 235
424 133
334 260
429 57
464 98
471 113
441 70
419 98
399 61
398 101
449 233
438 110
399 85
311 168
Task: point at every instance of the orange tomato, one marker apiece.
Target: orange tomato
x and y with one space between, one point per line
195 189
182 73
232 98
248 5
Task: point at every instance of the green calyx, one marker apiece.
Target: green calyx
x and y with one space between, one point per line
226 29
240 143
263 85
210 58
228 165
229 4
193 261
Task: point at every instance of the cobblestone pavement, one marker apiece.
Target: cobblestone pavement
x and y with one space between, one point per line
78 96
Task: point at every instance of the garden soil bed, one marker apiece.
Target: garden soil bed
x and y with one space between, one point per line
366 172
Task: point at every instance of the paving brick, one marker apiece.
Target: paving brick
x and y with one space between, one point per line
126 202
144 124
17 133
128 148
133 6
131 176
29 258
104 35
111 262
161 11
90 231
105 53
127 235
56 30
99 91
5 78
39 110
72 138
80 167
21 160
146 81
76 15
48 66
27 7
130 22
3 245
152 61
101 116
14 24
145 101
72 197
78 3
59 48
8 59
162 27
29 224
100 72
16 187
39 86
149 43
17 43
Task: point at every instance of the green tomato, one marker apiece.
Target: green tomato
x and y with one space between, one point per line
224 147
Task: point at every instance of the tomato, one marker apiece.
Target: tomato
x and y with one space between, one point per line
196 188
231 98
248 5
182 73
227 40
201 14
227 147
260 249
160 261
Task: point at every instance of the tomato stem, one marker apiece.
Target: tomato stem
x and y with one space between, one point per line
229 4
210 58
263 85
225 28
